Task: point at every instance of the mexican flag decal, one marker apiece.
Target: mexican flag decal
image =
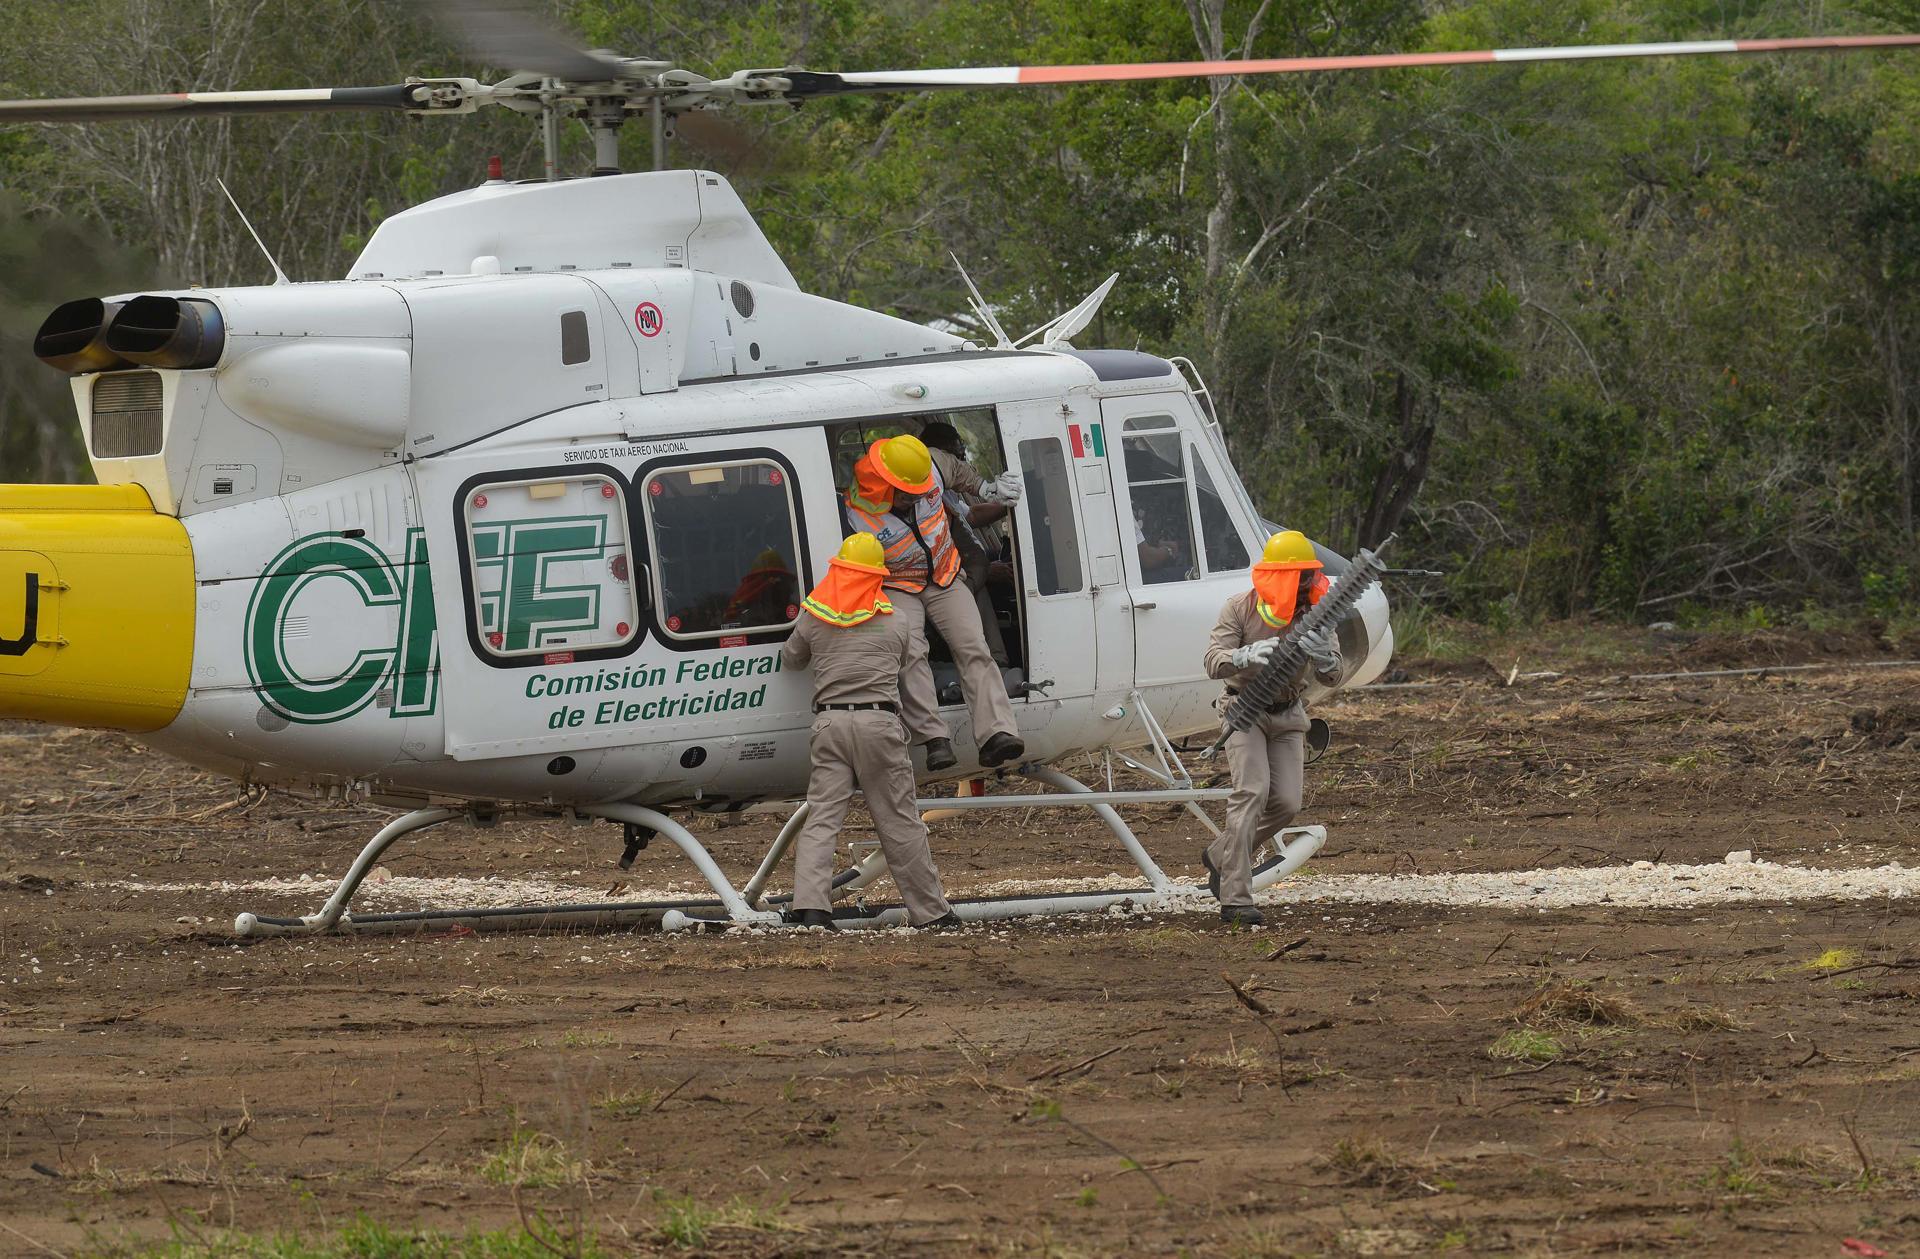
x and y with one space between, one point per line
1087 439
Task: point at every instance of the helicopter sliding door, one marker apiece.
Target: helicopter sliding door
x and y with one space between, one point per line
1065 541
1185 548
619 616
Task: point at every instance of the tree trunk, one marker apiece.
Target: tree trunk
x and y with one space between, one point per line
1209 32
1404 470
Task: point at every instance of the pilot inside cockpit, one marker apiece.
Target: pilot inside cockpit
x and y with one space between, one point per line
766 595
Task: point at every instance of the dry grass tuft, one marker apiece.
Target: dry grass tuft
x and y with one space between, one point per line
1701 1018
1570 1002
533 1160
1370 1163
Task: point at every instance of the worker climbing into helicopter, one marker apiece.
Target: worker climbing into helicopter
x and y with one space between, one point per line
976 518
858 644
1268 759
897 495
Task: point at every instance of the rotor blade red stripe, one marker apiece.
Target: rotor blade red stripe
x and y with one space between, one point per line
1038 75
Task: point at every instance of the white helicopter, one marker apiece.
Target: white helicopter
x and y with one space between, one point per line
515 518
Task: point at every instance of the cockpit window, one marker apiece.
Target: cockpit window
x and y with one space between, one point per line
725 549
1225 550
1157 485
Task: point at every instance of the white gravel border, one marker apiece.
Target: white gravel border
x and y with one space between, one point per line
1642 885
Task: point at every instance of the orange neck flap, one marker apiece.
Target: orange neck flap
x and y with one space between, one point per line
869 490
1277 583
849 594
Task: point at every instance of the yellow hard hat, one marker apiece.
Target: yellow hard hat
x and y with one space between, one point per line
769 558
1289 546
903 463
864 548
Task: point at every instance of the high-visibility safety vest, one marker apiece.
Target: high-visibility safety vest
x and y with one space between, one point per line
918 550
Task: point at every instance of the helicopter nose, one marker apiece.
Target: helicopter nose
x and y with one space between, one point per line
96 607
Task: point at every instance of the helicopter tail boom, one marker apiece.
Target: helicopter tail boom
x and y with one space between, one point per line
105 637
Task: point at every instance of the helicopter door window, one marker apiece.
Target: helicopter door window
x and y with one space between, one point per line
1049 504
550 566
576 344
1226 550
725 550
1161 494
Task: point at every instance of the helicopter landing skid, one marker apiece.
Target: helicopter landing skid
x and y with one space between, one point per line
334 918
1292 848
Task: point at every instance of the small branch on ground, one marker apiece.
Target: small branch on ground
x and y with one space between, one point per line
1285 949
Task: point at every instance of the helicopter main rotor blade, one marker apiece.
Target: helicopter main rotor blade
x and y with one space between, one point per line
505 34
401 96
806 84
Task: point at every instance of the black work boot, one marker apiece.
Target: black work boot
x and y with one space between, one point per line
1213 874
812 918
945 922
1001 748
940 754
1241 916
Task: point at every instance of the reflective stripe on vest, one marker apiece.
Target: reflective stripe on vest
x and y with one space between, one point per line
912 549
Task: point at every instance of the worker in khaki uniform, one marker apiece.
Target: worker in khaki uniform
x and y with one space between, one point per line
986 504
1268 759
858 647
897 496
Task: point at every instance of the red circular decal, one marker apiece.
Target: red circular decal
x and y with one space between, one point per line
618 567
673 623
479 500
774 478
648 319
606 491
495 639
793 610
622 629
656 489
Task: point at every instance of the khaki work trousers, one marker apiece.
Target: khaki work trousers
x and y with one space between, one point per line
990 623
957 616
1268 762
867 747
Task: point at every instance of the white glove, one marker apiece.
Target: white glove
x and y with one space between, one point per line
1005 488
1255 653
1323 652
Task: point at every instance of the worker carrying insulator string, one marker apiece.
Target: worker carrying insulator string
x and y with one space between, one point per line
897 495
1267 758
858 645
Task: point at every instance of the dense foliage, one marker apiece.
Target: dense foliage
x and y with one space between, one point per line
1635 337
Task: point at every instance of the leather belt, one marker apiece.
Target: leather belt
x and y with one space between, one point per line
883 705
1278 707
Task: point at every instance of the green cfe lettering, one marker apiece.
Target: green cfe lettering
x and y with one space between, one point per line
415 653
520 565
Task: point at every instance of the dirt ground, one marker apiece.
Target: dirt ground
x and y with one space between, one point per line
1398 1079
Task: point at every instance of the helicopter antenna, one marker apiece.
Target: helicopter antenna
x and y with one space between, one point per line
279 276
1070 322
979 304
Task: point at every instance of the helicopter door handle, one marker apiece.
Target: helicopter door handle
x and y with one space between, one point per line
1145 607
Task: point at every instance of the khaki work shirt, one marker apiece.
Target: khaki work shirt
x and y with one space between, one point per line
859 664
1240 623
965 480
